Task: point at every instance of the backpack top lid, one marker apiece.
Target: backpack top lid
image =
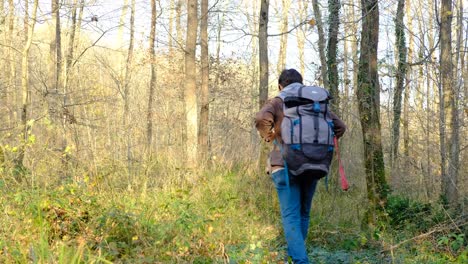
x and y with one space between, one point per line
297 90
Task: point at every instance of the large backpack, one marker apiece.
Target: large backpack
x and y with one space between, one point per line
306 130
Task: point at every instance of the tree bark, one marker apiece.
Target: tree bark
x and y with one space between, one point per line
332 49
368 93
191 107
400 85
204 91
321 43
152 84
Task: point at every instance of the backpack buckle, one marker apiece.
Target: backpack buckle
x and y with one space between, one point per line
317 107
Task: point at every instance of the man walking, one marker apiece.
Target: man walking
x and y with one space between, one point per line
302 153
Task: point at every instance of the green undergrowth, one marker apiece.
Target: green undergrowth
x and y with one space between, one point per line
215 216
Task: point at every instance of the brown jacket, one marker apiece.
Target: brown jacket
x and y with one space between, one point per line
268 122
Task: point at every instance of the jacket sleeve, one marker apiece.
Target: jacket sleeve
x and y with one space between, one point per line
265 120
338 124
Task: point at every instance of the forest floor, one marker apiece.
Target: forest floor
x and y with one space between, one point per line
217 216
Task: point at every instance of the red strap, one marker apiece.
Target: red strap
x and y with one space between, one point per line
344 181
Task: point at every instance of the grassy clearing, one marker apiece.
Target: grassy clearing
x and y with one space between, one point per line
215 216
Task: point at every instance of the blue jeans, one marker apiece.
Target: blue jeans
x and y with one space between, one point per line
295 204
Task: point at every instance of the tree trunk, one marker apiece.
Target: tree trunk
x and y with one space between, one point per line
448 112
152 84
368 94
66 116
263 68
284 36
321 43
57 44
406 101
345 103
191 107
431 109
354 46
254 87
170 36
2 15
126 89
263 52
78 24
71 47
123 15
400 86
179 30
11 60
204 92
55 58
332 47
301 35
29 24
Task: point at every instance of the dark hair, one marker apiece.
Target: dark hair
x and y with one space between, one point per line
289 76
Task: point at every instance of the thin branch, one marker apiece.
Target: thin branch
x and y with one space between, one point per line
94 44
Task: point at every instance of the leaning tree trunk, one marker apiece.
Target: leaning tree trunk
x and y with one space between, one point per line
368 94
191 107
400 84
